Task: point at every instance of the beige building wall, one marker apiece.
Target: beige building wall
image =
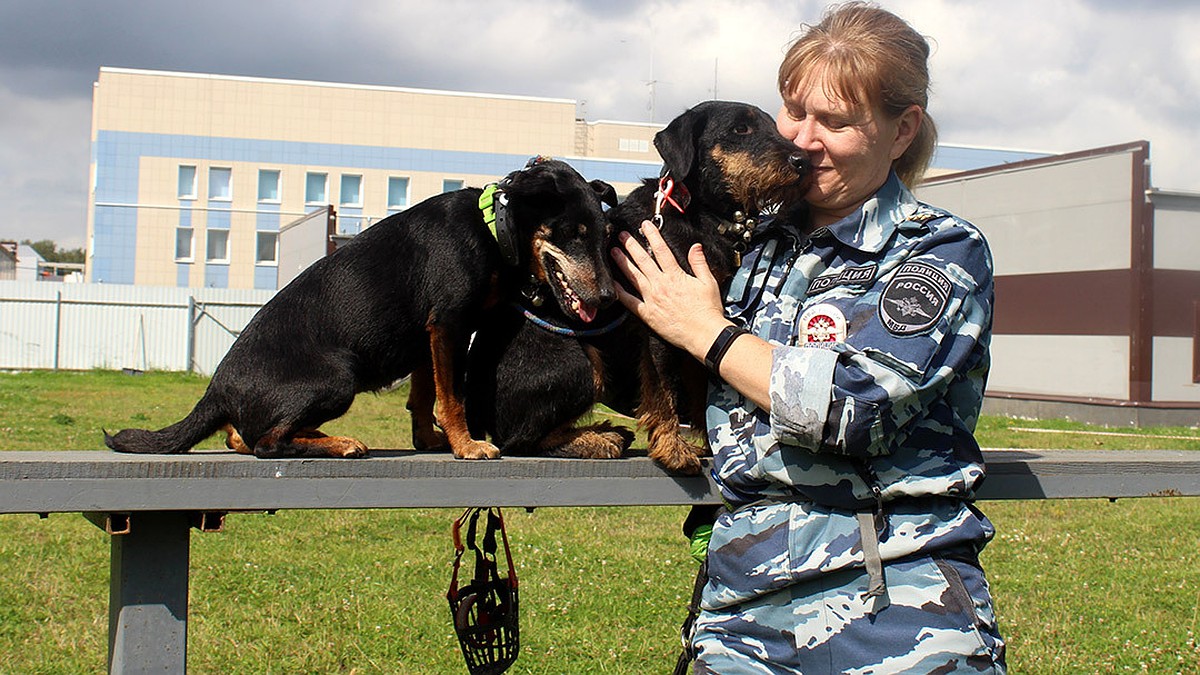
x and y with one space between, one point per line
433 140
283 110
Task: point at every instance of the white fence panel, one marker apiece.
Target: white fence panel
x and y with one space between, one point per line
113 327
28 324
219 317
85 326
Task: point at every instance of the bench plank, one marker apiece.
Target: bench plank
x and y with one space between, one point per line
103 481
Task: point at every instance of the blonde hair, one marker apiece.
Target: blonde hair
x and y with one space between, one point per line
869 57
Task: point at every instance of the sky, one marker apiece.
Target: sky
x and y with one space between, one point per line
1019 74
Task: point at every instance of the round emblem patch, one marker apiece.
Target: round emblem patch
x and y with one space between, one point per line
821 325
914 299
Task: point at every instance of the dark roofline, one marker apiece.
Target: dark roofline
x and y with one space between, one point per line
1133 146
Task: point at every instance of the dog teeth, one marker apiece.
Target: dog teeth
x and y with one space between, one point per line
581 310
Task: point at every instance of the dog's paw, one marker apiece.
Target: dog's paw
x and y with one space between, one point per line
616 439
476 450
429 439
677 456
346 447
596 444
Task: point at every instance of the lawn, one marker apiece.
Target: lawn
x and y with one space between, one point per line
1081 586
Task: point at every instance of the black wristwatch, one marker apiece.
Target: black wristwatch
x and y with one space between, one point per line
721 345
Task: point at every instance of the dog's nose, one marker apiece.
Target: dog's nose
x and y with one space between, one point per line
608 294
800 162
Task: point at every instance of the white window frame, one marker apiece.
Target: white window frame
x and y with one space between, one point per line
358 197
228 197
207 245
407 193
191 194
633 145
258 249
191 256
278 186
324 190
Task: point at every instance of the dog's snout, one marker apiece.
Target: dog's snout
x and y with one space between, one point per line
608 294
800 162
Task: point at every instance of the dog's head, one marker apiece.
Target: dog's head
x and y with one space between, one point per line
561 231
730 157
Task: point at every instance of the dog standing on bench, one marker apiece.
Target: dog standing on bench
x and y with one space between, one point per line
533 374
401 298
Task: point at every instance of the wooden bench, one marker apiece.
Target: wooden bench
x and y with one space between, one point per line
150 503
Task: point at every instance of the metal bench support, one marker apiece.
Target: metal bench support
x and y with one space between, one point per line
148 594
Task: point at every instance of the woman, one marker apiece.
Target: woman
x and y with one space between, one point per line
850 356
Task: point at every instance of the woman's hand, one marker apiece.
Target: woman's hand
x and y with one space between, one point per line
683 309
686 310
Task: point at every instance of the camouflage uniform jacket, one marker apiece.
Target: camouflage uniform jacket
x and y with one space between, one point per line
882 322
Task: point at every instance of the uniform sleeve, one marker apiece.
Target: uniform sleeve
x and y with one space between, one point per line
922 325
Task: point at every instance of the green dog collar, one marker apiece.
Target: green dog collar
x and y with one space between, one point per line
487 204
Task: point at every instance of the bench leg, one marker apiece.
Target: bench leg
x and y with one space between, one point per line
148 594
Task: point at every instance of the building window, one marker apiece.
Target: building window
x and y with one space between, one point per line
397 197
220 183
268 248
217 250
451 184
633 145
351 190
268 185
183 244
315 185
187 182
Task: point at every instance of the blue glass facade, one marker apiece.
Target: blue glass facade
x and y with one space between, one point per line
117 155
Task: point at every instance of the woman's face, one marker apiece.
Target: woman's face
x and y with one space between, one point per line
852 147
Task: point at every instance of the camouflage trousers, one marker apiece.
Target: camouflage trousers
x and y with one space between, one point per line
938 619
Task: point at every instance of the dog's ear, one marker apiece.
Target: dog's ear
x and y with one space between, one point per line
607 193
677 143
534 178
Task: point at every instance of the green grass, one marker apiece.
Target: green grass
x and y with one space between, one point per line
1081 586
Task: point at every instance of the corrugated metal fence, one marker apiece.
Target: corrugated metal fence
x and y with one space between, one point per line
85 326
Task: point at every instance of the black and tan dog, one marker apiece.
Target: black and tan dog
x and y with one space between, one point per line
535 371
402 297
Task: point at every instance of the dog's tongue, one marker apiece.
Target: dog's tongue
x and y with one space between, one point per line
586 312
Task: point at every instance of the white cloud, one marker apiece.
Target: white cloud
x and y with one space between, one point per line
44 168
1028 74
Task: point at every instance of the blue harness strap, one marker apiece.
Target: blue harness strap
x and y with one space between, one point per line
571 332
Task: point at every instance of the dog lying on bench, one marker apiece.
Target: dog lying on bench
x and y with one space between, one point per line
403 297
533 373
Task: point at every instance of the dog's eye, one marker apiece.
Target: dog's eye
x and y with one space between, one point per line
582 230
742 130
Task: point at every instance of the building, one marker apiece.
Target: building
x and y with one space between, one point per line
1097 312
21 262
8 260
193 176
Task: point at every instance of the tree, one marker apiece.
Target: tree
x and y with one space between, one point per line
51 253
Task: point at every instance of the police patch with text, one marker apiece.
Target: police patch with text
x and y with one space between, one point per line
849 276
915 299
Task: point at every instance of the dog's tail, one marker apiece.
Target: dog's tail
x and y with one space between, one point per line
204 420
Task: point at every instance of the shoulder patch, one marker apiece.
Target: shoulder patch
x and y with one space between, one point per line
914 299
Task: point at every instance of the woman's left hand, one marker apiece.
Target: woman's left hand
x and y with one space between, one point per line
683 309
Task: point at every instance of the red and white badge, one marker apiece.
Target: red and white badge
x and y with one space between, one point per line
822 324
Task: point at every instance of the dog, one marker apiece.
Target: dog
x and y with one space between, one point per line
535 372
401 298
